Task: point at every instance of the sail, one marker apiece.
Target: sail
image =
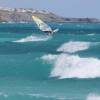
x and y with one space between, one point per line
42 26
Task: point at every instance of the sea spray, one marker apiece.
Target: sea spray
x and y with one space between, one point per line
34 38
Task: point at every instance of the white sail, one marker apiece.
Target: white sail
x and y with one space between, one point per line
42 26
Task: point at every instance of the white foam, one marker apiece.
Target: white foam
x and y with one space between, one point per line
47 96
34 38
93 97
49 57
68 66
73 66
92 34
74 46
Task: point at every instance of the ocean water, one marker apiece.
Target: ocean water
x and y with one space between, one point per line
37 66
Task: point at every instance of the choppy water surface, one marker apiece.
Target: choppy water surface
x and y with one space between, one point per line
37 66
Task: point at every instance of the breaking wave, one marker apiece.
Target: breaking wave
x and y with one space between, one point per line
73 46
49 57
93 97
34 38
73 66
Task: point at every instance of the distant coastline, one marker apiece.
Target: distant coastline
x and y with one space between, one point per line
24 15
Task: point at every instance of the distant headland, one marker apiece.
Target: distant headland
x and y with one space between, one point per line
24 15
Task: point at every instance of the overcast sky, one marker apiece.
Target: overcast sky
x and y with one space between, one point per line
67 8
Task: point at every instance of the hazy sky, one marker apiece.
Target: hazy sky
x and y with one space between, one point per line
68 8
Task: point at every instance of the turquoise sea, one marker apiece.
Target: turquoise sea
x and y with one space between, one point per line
37 66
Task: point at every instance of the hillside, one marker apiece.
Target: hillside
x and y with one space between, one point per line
24 15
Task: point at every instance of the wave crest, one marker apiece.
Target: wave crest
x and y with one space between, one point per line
49 57
93 97
72 47
67 66
34 38
73 66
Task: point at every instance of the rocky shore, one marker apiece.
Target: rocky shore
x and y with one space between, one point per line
24 15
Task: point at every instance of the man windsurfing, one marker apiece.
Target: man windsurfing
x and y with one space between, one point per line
43 26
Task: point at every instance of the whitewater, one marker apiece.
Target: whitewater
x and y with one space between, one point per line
37 66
